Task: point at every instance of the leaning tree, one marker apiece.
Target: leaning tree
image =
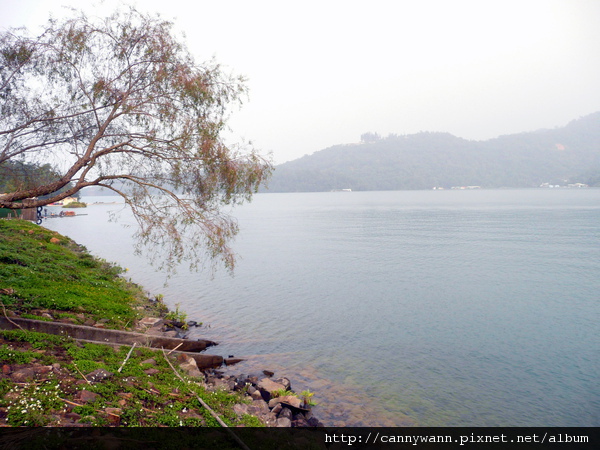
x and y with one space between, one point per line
120 103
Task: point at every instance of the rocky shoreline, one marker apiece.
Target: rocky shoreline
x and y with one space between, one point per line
272 400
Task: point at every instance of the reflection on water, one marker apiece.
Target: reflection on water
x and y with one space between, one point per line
448 308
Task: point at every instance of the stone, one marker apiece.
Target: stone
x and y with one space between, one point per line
5 369
300 423
98 375
259 406
150 361
114 415
256 395
287 385
189 365
291 400
42 370
150 321
313 422
268 373
240 409
47 316
23 375
151 371
54 240
86 396
277 408
283 422
286 412
269 385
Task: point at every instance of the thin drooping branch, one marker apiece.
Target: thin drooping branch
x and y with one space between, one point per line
120 103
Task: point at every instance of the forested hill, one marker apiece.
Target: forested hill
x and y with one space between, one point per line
558 156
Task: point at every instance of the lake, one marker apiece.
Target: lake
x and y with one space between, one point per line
429 308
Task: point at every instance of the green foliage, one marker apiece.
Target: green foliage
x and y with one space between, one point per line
307 396
11 356
48 275
251 421
177 316
31 404
76 205
282 393
37 340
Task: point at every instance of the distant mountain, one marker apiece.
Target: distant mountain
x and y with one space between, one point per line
570 154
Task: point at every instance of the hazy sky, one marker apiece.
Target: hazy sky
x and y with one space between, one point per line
323 72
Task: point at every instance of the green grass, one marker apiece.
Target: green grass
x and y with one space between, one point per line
44 270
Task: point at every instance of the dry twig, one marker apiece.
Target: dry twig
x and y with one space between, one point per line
127 357
7 318
88 381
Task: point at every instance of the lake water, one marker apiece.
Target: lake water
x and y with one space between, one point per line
430 308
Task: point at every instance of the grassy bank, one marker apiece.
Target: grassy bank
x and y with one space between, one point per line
56 381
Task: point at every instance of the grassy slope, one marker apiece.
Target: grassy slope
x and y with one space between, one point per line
41 271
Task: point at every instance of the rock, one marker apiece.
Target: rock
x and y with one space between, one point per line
240 409
268 373
86 396
150 361
256 395
269 385
259 406
23 375
286 412
98 375
313 422
114 415
277 408
5 369
42 370
47 316
54 240
300 423
150 321
283 422
151 371
189 365
89 322
291 400
287 385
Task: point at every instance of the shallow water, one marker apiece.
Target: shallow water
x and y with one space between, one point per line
436 308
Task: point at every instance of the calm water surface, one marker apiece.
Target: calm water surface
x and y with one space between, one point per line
432 308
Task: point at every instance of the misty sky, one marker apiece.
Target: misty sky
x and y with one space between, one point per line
323 72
